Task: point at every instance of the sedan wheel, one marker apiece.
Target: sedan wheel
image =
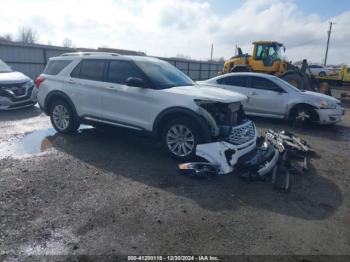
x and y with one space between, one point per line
303 116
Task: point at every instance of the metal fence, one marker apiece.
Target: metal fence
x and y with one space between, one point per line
32 59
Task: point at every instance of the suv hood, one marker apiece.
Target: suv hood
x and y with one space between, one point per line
319 96
13 78
207 93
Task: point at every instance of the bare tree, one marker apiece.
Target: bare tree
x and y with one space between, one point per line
67 42
27 35
6 37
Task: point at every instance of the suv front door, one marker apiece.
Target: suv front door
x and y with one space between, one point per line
124 104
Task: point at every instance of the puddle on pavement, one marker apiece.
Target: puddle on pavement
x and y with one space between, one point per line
30 144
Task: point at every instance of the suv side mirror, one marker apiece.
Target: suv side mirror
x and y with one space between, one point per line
135 81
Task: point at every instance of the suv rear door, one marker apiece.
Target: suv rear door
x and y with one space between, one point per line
85 85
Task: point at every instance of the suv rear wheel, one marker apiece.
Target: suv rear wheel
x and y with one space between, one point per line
180 138
63 118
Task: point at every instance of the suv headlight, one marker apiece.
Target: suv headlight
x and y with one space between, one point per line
201 102
327 105
30 83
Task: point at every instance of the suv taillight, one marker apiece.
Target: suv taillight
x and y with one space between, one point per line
38 81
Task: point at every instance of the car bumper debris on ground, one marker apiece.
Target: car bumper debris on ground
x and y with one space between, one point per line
272 154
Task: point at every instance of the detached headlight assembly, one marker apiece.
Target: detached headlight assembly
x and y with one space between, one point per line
30 83
327 105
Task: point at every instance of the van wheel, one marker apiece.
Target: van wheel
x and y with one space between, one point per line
63 118
180 138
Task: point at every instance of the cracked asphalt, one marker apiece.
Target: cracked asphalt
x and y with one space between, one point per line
111 192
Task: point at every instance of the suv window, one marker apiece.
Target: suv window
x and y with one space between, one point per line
56 66
234 81
119 71
264 84
89 69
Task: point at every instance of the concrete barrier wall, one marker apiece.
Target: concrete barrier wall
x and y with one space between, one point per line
31 60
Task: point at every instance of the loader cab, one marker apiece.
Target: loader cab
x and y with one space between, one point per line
267 53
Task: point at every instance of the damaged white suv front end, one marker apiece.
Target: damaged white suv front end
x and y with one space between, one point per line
234 136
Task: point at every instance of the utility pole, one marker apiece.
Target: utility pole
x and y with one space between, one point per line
211 52
329 36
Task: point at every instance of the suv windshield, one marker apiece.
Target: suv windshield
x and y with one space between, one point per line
164 75
4 68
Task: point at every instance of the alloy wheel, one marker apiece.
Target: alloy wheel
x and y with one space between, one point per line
180 140
61 117
302 116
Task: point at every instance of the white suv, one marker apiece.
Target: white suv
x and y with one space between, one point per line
144 94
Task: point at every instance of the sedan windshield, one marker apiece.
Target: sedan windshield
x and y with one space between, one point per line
4 68
164 75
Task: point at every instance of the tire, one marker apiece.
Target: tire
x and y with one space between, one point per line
175 144
322 73
63 118
302 115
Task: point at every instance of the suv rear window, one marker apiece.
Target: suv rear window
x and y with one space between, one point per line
90 69
56 66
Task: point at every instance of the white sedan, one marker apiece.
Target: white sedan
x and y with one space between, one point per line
270 96
320 70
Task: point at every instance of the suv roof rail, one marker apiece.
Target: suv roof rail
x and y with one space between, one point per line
89 54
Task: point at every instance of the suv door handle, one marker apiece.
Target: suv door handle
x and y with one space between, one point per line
71 81
253 93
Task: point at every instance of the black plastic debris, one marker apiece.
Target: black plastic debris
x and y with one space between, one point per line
293 155
198 169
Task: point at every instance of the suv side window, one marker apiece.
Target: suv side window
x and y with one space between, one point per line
119 71
264 84
56 66
234 81
90 69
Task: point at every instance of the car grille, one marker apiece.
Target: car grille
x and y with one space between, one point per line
242 134
16 92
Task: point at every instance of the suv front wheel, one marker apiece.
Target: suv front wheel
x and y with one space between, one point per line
63 118
180 138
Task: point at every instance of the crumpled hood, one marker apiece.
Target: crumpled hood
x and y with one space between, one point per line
319 96
208 93
13 77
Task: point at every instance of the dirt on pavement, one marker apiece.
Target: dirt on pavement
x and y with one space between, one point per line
113 192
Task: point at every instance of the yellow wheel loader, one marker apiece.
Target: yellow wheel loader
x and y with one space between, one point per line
267 58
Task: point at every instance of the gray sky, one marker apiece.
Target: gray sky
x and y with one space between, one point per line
171 27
